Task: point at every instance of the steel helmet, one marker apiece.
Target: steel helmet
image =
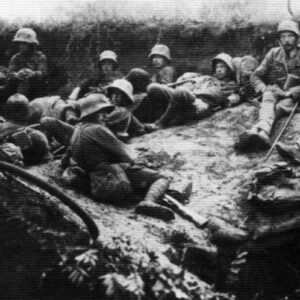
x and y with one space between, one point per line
93 103
139 78
224 57
161 50
17 108
26 35
124 86
110 55
288 25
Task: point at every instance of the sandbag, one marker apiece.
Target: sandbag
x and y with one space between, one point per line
110 184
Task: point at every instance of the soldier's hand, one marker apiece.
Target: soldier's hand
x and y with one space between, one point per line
25 74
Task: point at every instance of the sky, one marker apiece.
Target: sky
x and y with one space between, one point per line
40 9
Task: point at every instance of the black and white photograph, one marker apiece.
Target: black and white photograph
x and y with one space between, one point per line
149 150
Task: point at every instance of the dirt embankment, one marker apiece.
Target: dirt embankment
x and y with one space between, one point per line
73 47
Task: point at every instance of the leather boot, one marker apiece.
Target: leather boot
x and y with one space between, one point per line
289 153
253 139
150 208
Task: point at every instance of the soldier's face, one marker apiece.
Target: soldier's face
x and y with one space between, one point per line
158 61
24 47
288 40
107 66
117 98
221 70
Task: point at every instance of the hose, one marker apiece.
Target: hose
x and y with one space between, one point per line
68 201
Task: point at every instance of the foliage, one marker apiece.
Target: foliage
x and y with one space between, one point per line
123 270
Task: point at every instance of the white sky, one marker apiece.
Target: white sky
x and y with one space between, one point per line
40 9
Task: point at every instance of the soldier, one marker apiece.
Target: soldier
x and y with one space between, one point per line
155 104
27 71
120 120
33 143
108 72
277 79
110 168
54 106
199 100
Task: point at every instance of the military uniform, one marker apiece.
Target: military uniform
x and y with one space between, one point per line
273 71
278 80
33 87
37 148
98 85
198 99
154 105
96 150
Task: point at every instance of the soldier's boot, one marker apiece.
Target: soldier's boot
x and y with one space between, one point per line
149 207
170 114
289 153
253 139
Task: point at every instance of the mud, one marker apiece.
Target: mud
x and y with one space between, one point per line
202 153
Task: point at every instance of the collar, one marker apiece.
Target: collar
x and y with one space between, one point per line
293 53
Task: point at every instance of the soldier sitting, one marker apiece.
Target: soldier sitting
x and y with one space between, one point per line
164 73
27 70
277 79
111 170
108 72
33 144
120 120
199 99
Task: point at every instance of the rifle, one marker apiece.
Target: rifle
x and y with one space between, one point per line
174 84
186 213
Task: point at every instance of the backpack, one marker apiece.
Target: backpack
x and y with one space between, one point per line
12 143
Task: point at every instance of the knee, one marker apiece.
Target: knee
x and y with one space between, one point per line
48 122
269 97
155 89
184 96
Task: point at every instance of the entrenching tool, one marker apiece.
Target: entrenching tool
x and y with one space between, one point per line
183 211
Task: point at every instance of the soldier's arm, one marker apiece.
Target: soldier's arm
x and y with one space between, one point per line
13 67
42 70
263 69
107 140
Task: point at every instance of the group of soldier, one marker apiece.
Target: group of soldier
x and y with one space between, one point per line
104 112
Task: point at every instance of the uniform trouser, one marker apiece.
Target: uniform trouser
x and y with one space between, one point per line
272 108
60 130
183 106
154 105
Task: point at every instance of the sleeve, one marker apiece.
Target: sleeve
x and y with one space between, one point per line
262 70
42 70
39 149
167 75
229 88
107 141
13 67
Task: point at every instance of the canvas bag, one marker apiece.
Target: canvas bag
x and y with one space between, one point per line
110 183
